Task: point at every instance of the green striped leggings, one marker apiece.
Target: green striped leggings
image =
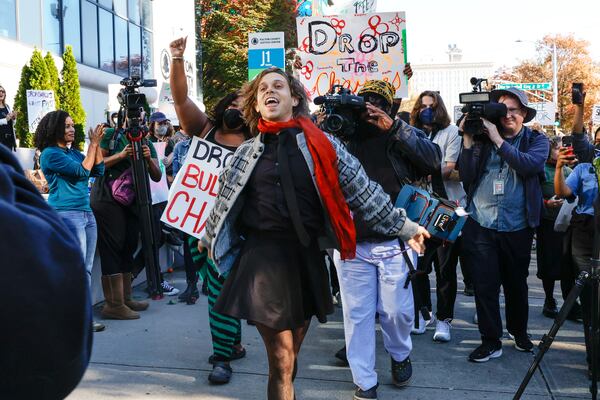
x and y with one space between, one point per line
226 331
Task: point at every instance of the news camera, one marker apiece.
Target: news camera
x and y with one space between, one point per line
342 110
132 103
477 105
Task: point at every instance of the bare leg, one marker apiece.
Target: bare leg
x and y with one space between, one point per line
281 355
299 335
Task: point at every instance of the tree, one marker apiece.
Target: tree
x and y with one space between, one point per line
20 106
70 97
223 28
54 80
574 65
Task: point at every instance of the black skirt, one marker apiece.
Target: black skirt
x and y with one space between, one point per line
277 282
552 262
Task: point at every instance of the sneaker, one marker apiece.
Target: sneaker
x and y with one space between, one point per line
522 343
486 351
221 373
550 309
442 331
97 326
168 289
401 372
370 394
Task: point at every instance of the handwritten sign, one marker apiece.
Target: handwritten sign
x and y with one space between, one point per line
596 114
545 113
39 103
349 50
194 190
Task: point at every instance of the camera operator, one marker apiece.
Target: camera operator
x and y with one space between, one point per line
500 173
391 152
429 114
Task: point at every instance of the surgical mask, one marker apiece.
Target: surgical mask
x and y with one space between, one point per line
161 130
426 116
232 118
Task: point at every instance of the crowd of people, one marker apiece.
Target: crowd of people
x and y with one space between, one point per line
293 197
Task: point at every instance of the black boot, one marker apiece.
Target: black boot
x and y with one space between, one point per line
550 310
190 294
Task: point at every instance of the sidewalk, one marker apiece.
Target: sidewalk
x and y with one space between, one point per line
164 355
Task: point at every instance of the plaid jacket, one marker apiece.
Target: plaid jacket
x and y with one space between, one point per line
365 197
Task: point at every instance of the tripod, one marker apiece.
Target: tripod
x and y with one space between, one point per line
144 204
591 278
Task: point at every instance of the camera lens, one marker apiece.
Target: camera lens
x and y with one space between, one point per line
334 123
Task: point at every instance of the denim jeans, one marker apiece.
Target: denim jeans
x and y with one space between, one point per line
374 282
85 226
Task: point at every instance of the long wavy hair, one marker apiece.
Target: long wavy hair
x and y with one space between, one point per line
441 118
51 129
3 102
250 90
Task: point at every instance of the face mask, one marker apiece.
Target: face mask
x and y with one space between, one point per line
232 119
161 130
426 116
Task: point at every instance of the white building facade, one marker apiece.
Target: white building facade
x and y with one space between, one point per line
449 79
111 39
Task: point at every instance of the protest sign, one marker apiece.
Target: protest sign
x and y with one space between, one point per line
160 189
166 105
349 50
596 114
39 103
195 188
545 112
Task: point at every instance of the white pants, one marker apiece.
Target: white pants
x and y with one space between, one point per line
374 282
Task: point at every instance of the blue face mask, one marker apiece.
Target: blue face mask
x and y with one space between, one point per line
426 116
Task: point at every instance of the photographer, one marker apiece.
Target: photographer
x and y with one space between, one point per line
500 171
391 152
429 114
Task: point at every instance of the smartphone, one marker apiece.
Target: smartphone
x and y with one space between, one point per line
567 141
577 93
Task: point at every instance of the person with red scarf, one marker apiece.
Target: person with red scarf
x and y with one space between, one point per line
285 195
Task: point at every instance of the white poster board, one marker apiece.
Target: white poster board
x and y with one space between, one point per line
166 105
545 113
457 113
194 190
596 114
39 103
160 189
351 49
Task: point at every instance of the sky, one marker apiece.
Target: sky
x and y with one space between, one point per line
487 30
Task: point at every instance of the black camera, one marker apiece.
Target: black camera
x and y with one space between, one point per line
342 110
477 105
132 103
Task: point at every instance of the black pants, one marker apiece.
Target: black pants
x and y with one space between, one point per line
445 274
499 258
118 236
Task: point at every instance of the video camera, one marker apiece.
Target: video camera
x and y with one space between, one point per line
132 103
477 105
342 110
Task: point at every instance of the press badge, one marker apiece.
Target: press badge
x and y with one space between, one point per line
498 187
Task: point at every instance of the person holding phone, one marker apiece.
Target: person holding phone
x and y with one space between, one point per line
552 262
7 120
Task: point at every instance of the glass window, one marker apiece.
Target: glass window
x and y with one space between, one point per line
147 14
52 15
107 57
8 19
121 50
135 50
30 22
147 72
89 19
121 7
106 3
71 29
134 11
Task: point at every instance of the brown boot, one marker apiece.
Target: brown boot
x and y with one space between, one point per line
129 302
114 308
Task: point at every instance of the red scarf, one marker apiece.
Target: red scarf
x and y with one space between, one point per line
326 174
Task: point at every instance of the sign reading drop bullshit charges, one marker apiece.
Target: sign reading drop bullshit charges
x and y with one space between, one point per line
194 190
348 50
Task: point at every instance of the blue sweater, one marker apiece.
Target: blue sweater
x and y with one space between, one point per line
528 161
46 335
67 178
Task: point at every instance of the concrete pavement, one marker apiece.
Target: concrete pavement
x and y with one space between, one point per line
164 355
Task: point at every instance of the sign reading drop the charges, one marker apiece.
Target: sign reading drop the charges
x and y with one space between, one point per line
351 49
194 190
